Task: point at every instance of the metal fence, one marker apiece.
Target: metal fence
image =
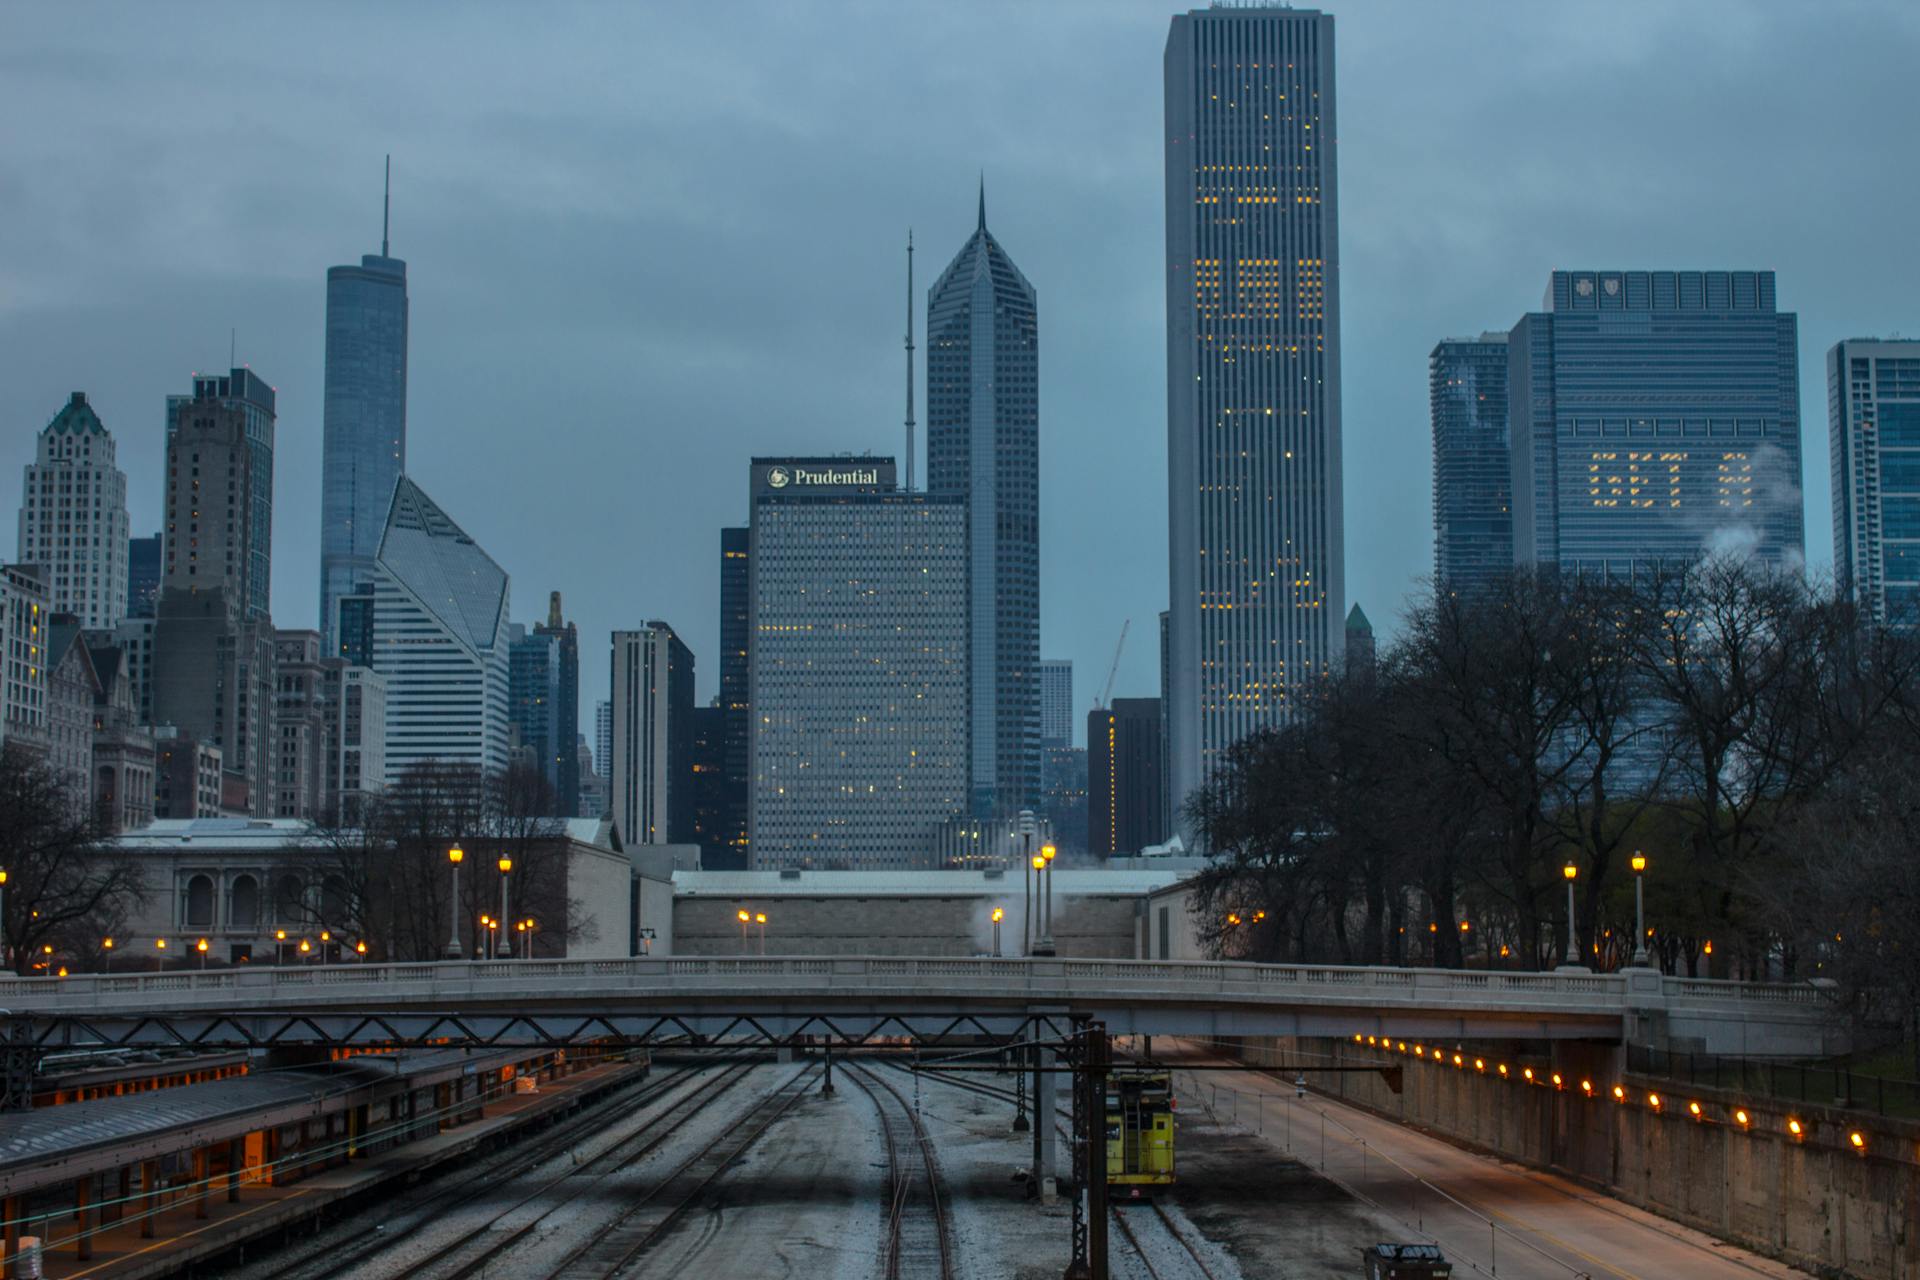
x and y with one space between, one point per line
1825 1084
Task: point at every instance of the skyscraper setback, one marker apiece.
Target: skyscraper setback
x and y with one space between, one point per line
1257 551
364 421
983 441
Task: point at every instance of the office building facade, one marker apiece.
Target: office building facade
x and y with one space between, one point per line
143 576
1472 494
1873 421
736 678
73 516
652 731
1655 417
1056 703
363 450
1256 539
25 615
983 442
212 658
544 702
1124 813
436 619
859 665
247 394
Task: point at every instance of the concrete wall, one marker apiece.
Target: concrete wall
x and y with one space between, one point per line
1815 1203
1093 927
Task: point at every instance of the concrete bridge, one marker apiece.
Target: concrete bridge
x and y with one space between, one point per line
858 999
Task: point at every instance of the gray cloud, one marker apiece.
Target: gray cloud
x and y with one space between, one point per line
646 242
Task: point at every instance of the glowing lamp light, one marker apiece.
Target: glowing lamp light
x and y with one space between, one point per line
1356 1037
456 854
1503 1070
1639 862
506 864
1694 1109
1557 1082
1457 1060
1857 1139
1570 871
1048 852
999 914
1794 1127
1653 1100
1586 1087
760 917
1479 1064
1619 1093
1528 1074
1741 1118
1038 862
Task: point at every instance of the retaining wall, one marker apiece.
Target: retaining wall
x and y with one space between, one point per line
1814 1201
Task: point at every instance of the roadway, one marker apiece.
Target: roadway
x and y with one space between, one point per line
1483 1213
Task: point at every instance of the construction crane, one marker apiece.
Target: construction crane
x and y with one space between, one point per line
1106 691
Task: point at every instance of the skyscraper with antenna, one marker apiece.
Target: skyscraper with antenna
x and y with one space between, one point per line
364 419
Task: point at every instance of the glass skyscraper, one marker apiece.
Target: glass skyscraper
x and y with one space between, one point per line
1472 506
983 441
1257 556
736 639
1873 409
244 390
1655 416
364 422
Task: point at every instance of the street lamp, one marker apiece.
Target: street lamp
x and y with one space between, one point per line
760 918
201 947
646 940
1039 865
3 918
159 955
453 952
506 943
1047 854
106 961
745 918
999 914
1571 873
306 948
279 945
1639 910
360 952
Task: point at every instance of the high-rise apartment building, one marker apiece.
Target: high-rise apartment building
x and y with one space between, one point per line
1655 416
1056 702
363 450
859 660
1256 535
1873 420
736 641
434 616
1124 813
212 656
983 442
1472 494
652 779
73 516
544 702
245 393
143 576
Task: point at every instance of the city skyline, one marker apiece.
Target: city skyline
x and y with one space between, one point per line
1457 260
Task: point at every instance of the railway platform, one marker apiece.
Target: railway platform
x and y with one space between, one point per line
146 1185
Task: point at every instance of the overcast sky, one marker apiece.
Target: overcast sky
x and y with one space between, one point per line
645 243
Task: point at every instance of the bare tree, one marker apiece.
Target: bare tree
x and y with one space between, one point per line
65 886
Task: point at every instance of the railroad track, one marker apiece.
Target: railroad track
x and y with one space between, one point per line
1194 1263
918 1240
445 1189
615 1247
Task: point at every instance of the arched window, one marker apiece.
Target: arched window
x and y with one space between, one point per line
335 902
200 902
288 897
245 913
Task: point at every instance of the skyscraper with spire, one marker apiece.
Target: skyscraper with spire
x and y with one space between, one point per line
983 441
364 424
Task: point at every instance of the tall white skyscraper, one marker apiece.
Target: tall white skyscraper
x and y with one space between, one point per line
652 682
1257 552
73 517
1873 408
435 626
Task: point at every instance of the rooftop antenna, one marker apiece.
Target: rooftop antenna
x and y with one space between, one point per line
386 206
233 348
910 432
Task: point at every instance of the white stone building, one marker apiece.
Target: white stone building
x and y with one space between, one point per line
73 517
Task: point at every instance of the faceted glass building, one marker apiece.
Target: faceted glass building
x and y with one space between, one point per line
859 666
1256 540
439 634
1472 506
244 390
364 422
73 517
543 701
1873 410
1655 416
983 442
